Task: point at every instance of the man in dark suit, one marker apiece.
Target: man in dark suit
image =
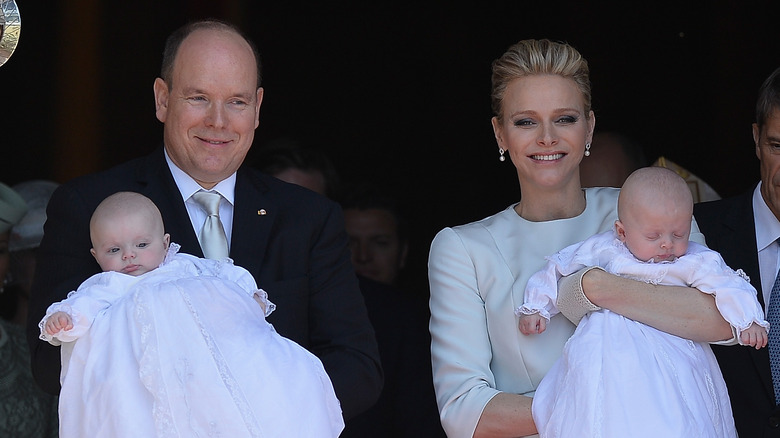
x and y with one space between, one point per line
745 229
292 240
398 310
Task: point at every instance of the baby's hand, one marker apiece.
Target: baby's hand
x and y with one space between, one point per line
259 301
754 336
532 324
58 321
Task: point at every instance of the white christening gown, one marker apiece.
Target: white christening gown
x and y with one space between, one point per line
621 378
185 351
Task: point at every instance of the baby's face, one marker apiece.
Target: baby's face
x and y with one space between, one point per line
130 244
657 235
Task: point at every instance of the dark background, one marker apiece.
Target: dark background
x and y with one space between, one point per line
397 94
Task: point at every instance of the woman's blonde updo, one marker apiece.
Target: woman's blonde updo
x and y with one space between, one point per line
539 57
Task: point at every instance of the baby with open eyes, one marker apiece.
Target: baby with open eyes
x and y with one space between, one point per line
619 377
168 344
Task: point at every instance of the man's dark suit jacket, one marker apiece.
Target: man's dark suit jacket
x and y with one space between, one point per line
292 241
729 228
407 406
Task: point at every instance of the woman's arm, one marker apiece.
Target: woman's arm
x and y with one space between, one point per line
681 311
469 403
506 415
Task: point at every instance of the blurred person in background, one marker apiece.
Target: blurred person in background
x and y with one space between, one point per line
379 242
25 410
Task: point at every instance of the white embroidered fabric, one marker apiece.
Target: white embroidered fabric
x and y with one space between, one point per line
619 377
700 268
185 351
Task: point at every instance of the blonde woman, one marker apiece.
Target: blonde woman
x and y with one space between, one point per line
485 371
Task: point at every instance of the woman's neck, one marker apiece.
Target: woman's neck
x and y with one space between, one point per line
536 206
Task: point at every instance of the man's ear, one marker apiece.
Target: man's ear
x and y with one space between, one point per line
161 96
260 93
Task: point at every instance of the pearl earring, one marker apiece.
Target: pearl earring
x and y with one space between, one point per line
501 156
587 149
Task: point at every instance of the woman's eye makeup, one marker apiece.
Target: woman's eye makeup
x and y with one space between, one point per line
567 119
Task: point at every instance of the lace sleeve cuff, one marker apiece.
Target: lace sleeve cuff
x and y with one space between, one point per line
81 325
531 310
733 341
261 297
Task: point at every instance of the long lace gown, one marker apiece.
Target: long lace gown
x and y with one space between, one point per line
185 351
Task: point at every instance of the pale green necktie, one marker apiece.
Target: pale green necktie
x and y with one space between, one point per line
212 235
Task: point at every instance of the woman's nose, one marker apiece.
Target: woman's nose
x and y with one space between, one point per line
548 136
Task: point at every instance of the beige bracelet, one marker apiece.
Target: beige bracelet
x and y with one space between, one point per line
572 302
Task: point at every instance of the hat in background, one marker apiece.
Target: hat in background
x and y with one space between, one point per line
28 232
700 190
12 208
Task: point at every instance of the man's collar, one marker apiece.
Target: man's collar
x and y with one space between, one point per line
188 186
767 224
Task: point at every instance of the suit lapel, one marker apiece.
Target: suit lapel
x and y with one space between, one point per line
740 244
741 248
160 187
253 217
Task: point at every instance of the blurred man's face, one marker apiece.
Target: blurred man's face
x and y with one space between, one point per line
377 250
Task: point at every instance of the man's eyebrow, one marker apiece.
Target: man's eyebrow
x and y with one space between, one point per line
193 90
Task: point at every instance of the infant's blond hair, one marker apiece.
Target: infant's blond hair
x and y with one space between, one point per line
651 187
125 204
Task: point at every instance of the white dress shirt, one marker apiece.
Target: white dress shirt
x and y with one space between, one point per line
767 233
188 186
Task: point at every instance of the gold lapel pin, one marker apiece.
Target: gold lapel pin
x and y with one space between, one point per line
261 212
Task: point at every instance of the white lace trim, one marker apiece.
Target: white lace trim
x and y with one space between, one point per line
529 310
250 421
173 249
268 305
150 373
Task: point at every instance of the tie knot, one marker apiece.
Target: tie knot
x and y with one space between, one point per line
209 201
